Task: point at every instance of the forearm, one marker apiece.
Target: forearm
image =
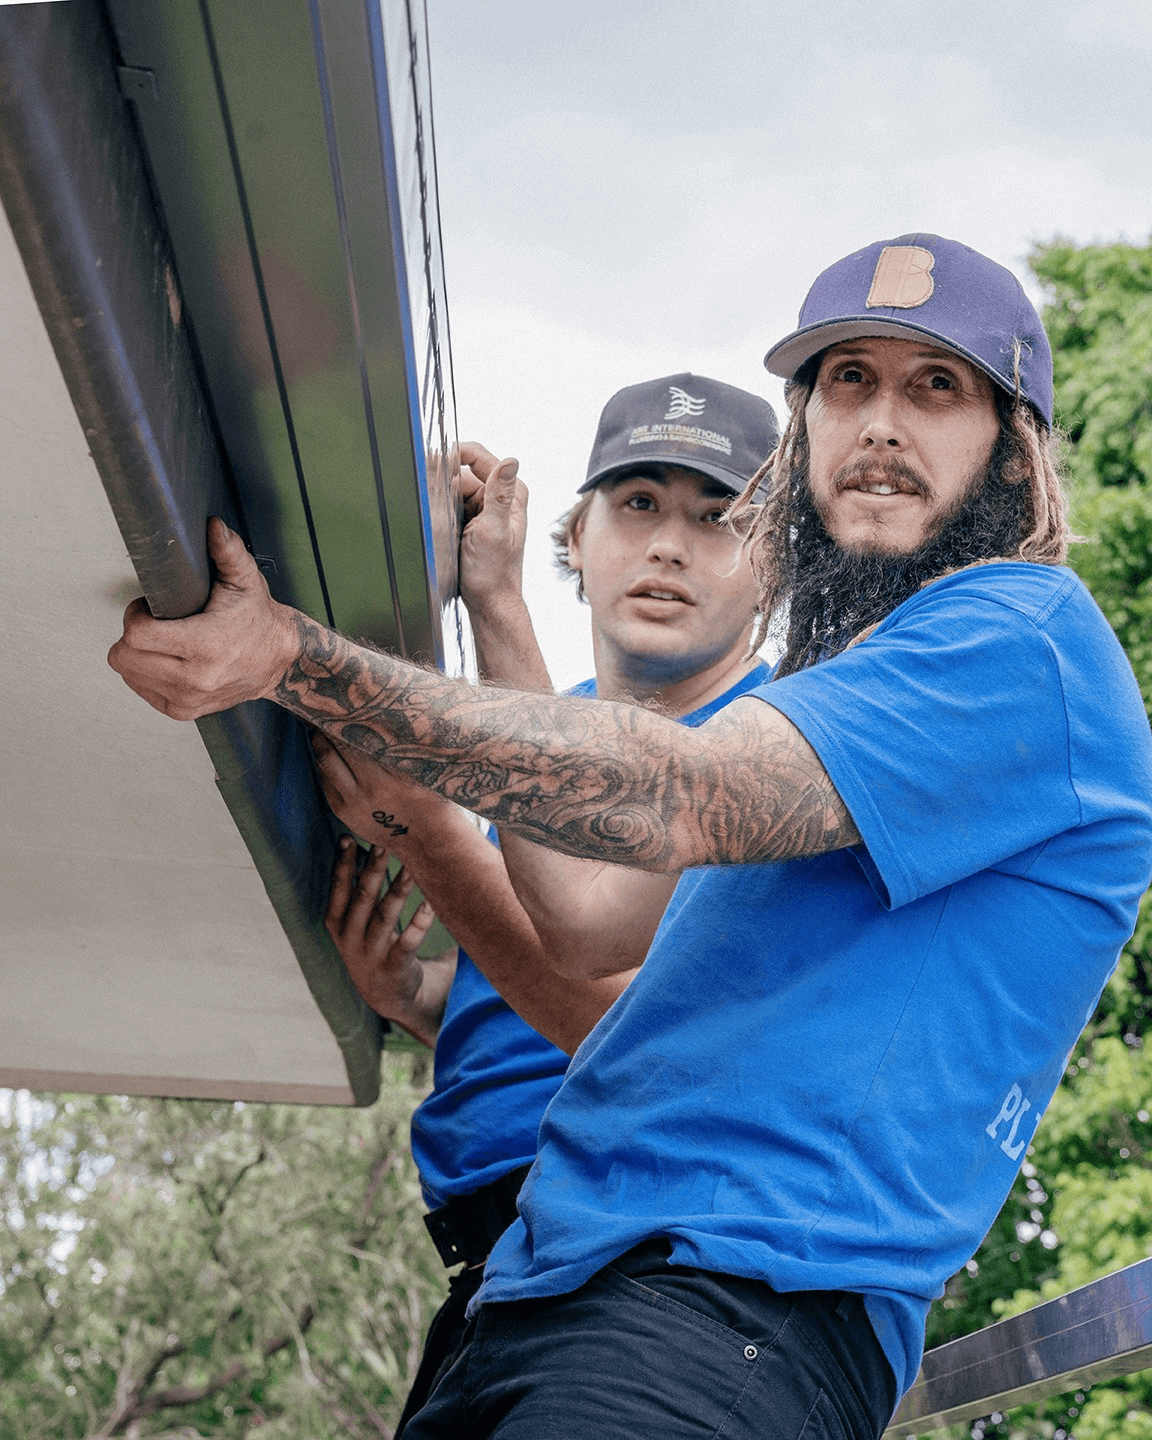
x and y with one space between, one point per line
507 650
464 879
590 778
593 918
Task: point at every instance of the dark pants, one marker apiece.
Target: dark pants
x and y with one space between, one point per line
647 1349
445 1338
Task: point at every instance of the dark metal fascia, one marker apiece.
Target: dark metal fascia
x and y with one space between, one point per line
265 309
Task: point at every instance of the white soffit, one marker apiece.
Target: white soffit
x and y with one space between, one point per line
138 950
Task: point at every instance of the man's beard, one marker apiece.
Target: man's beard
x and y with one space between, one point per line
835 594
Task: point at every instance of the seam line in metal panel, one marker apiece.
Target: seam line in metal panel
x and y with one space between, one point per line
426 151
379 61
446 391
433 312
265 308
433 171
354 305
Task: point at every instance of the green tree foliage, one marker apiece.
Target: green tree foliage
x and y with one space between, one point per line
197 1268
1116 566
1082 1206
1099 319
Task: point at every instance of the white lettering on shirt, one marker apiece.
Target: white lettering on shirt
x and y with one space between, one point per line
1014 1108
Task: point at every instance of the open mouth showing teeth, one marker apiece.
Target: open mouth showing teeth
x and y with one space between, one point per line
868 478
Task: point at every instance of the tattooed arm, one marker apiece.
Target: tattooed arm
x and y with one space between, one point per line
586 777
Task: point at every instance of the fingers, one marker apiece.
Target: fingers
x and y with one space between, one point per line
149 681
473 497
142 632
379 914
412 936
487 473
360 911
495 512
236 649
343 879
368 909
381 959
478 459
501 487
235 567
388 907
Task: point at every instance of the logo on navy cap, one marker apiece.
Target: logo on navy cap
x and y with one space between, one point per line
683 404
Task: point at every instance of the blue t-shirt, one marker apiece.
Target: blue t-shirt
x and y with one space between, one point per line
493 1074
828 1070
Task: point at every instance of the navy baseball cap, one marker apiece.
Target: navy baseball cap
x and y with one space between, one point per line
925 287
685 420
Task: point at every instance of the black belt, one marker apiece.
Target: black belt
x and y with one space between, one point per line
469 1225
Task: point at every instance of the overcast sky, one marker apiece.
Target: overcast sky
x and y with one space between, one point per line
630 189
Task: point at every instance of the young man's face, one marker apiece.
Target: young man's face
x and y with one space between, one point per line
898 432
669 592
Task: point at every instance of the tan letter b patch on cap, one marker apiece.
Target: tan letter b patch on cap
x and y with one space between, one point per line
903 278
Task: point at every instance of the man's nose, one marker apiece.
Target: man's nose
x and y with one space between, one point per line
884 423
669 543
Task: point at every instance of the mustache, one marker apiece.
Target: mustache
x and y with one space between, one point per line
835 594
888 469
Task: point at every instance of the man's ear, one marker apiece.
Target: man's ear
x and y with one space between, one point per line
575 564
575 561
574 531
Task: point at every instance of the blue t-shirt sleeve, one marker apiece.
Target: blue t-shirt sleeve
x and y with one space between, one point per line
946 734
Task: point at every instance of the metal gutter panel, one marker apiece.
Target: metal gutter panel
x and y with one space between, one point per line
81 207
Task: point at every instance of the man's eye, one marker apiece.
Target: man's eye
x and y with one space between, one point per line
942 382
640 502
852 374
716 517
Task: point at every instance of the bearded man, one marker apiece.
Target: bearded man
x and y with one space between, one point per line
911 861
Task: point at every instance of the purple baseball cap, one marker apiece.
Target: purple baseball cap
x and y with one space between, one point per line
685 420
925 287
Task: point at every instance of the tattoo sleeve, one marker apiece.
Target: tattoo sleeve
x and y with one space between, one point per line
591 778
